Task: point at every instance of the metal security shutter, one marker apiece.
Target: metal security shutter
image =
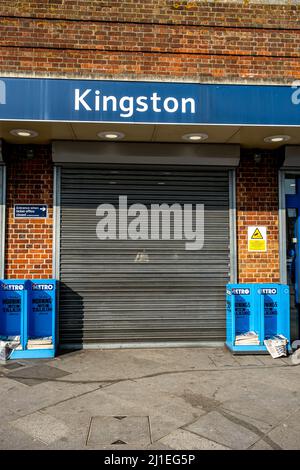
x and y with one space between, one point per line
106 294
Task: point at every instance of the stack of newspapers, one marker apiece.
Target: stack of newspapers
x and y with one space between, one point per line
277 346
246 339
40 343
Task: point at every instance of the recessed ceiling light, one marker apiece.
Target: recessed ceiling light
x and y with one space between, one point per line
195 137
277 138
23 133
111 135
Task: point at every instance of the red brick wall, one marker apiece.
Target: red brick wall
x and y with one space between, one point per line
197 12
190 40
150 38
28 241
257 204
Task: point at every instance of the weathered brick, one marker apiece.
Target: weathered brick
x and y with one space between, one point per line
258 205
29 174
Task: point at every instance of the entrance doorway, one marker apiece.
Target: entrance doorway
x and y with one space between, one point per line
120 291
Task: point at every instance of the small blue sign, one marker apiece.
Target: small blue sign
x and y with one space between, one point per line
30 211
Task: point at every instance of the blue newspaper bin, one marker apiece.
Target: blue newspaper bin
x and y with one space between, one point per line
275 305
39 320
242 315
13 300
263 308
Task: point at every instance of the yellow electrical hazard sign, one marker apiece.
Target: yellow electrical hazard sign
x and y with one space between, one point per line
257 238
257 235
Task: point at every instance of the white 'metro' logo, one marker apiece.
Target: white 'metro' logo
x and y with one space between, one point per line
159 222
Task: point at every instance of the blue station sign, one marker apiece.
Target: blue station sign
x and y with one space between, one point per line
148 102
30 211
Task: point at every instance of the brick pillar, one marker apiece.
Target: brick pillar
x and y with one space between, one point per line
28 241
257 204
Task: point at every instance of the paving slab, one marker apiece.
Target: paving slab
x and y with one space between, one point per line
162 424
262 410
287 437
259 426
7 386
126 364
268 360
12 438
114 364
42 426
12 365
171 417
223 430
185 440
182 358
9 391
223 359
287 433
249 360
18 401
97 403
262 394
190 387
156 405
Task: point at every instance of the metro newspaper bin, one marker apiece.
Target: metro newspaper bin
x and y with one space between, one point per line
13 300
35 317
263 308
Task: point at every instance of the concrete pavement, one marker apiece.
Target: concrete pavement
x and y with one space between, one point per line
189 398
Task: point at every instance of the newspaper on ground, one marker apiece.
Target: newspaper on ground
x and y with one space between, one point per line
10 338
277 346
7 345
